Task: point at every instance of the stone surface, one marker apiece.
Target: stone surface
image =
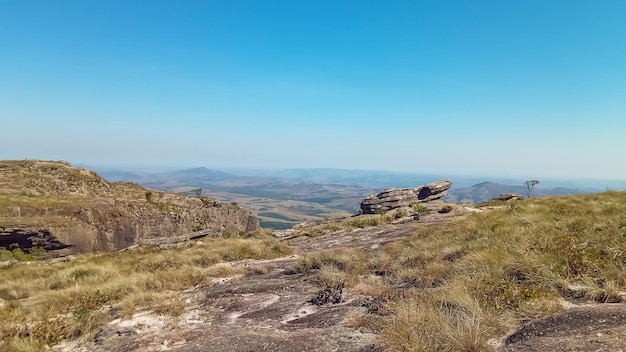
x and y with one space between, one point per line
283 233
393 198
597 327
276 311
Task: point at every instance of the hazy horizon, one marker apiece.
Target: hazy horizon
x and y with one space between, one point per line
466 180
529 89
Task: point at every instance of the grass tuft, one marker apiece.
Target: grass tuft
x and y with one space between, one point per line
461 283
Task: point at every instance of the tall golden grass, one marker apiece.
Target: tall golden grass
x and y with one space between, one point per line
455 286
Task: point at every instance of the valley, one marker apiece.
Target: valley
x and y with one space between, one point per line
412 272
283 198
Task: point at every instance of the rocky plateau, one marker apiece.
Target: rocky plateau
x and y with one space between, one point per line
61 208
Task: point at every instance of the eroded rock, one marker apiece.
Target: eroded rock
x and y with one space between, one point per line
508 196
393 198
54 206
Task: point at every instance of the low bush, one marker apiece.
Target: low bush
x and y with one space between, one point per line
420 208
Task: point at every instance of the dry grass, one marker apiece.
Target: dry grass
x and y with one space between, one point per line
364 322
347 260
454 286
464 282
49 303
448 287
427 322
354 222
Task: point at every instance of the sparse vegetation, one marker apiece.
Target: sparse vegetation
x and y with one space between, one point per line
52 198
454 286
355 222
476 278
400 213
49 303
420 208
380 211
18 254
450 286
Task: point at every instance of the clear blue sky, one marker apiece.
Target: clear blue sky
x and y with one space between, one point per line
523 88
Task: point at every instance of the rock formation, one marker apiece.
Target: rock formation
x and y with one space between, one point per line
54 205
508 196
393 198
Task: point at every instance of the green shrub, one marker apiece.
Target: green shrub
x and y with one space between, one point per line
420 208
5 254
19 255
38 252
16 253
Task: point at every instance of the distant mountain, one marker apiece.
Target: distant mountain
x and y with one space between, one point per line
363 178
485 191
118 175
481 192
285 197
191 176
281 201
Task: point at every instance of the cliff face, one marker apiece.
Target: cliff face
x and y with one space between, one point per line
55 206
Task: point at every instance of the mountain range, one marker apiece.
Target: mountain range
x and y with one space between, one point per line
286 197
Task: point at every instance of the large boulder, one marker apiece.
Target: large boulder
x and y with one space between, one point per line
393 198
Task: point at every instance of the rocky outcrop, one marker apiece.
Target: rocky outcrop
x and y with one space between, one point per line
508 196
54 205
393 198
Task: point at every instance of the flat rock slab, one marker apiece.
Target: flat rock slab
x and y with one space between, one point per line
261 312
268 312
372 238
598 328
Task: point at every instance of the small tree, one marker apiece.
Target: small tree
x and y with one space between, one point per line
197 191
530 185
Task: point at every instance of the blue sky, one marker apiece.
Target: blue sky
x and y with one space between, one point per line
500 88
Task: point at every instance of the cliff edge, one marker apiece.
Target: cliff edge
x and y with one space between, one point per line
53 205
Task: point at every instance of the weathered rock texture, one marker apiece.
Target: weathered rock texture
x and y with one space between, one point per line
508 196
54 205
393 198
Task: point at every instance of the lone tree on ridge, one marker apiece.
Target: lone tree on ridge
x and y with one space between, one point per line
530 185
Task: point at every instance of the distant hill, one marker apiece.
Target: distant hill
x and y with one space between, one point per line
280 202
485 191
118 175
